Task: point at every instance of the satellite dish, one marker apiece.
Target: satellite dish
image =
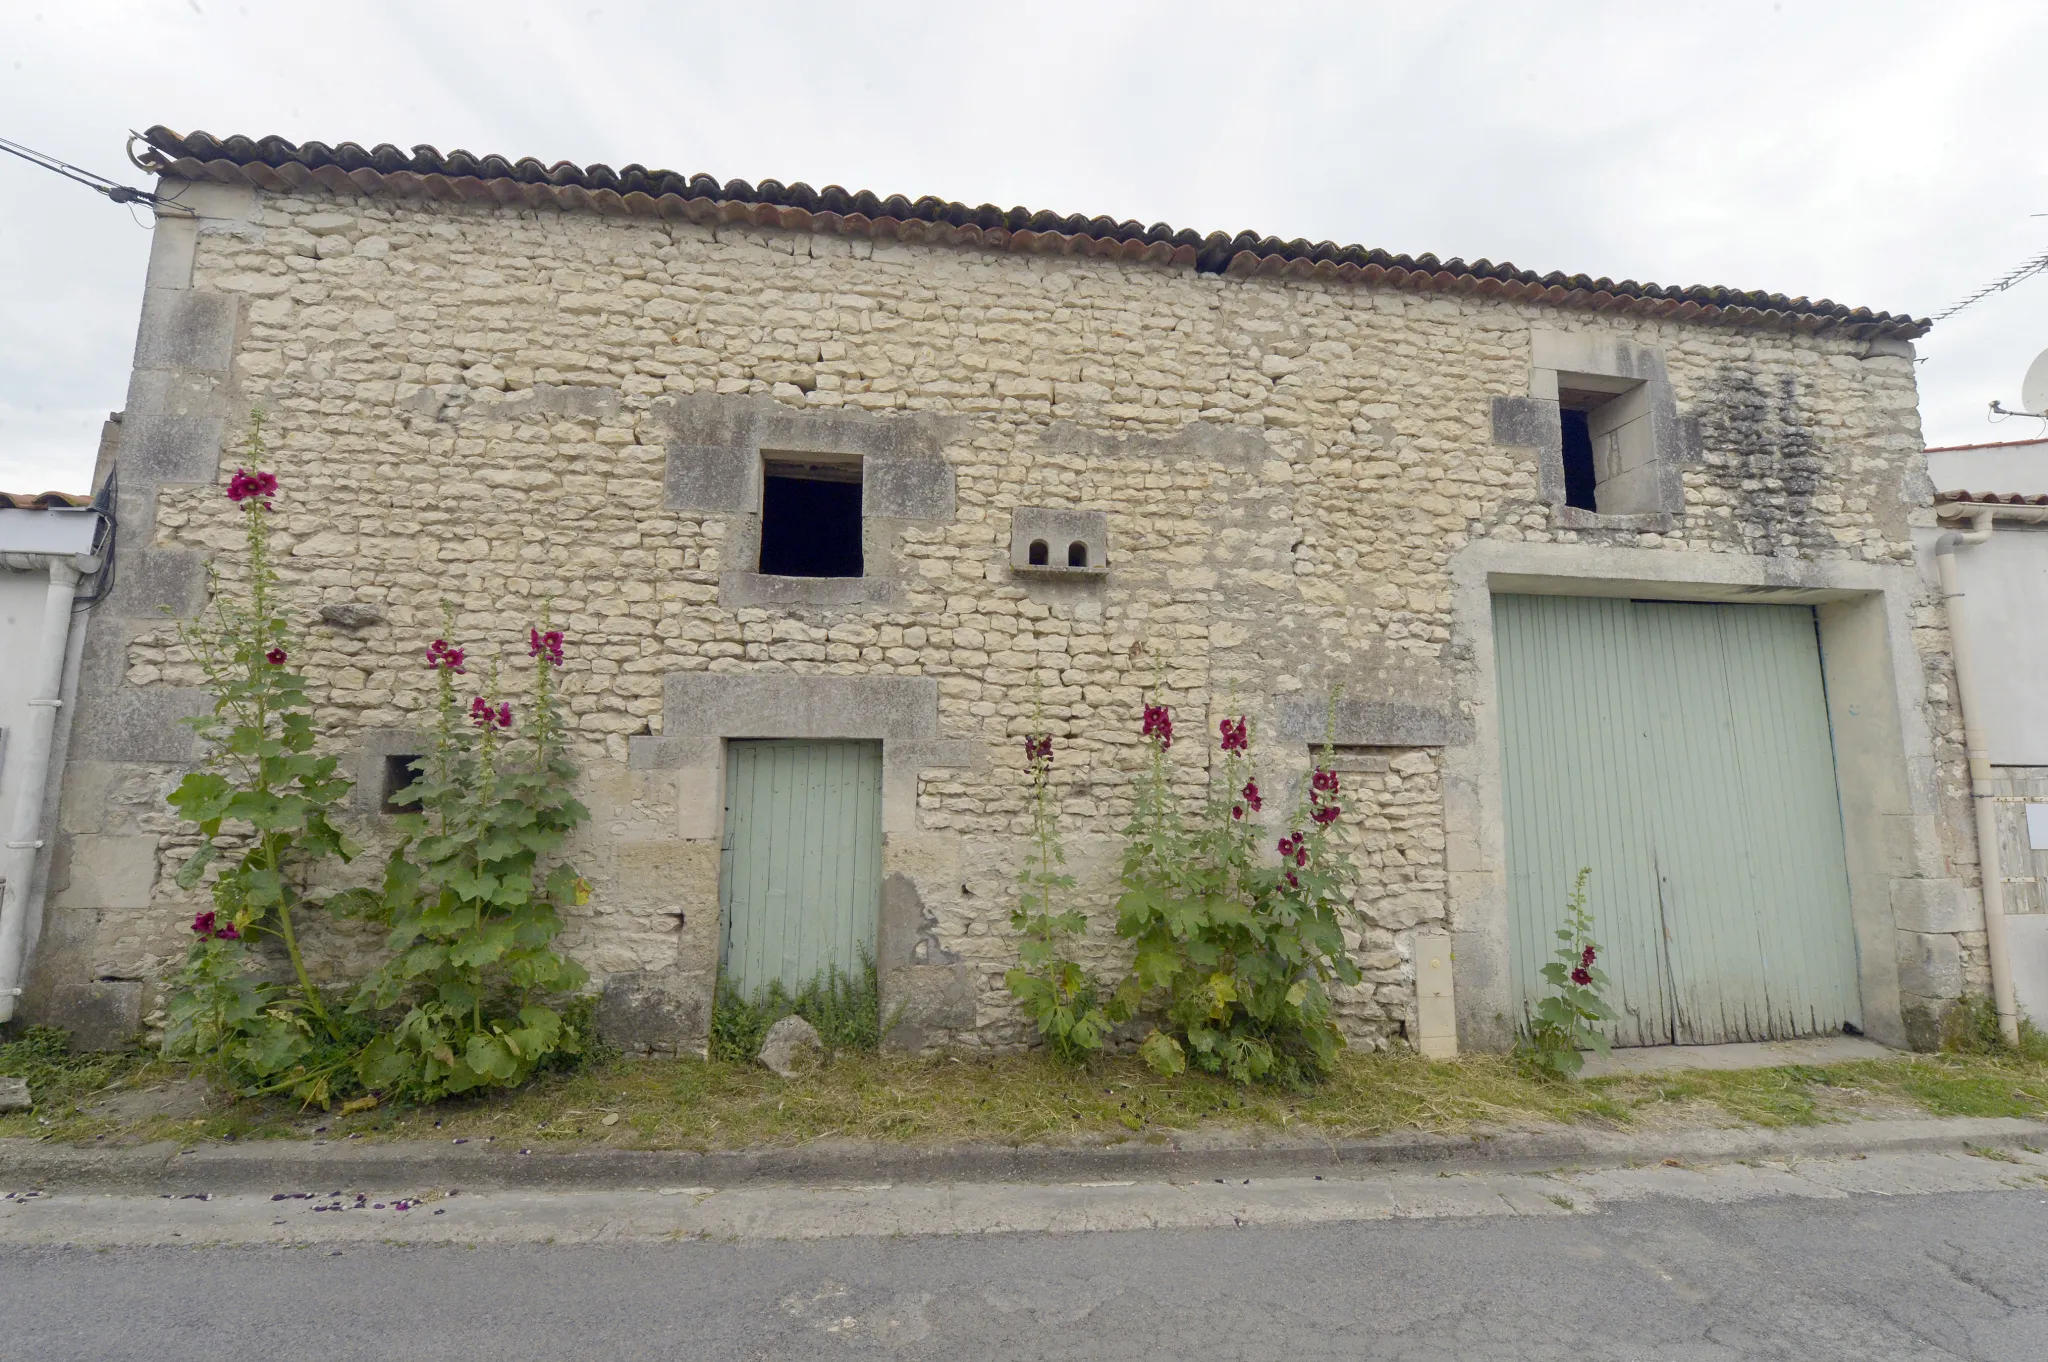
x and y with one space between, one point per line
2034 387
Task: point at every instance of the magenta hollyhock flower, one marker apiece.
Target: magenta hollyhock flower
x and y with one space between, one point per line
1251 795
1323 782
1586 959
275 657
228 933
1292 883
1236 737
546 646
1581 977
202 925
440 655
484 716
259 485
1038 748
1326 815
1158 724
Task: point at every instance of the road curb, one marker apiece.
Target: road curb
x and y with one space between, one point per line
272 1166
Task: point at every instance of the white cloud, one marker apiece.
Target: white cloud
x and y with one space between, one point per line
1882 154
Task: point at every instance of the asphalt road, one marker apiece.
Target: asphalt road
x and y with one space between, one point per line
1955 1275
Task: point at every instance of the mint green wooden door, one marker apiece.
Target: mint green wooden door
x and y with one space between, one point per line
1682 752
800 871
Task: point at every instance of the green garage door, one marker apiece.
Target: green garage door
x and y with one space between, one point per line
800 871
1682 752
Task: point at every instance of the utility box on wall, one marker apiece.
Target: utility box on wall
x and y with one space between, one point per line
1059 543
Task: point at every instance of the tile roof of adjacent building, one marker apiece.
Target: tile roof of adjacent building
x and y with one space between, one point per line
275 164
41 501
1990 498
2041 440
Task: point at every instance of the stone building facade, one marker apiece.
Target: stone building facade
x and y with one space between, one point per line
1301 474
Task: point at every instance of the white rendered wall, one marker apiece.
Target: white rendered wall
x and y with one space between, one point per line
2005 593
2011 468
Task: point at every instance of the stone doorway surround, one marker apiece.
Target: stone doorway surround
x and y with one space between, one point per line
1904 901
923 987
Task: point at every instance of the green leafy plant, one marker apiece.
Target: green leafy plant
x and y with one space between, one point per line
473 894
1969 1026
263 800
844 1008
1061 997
1564 1023
1238 950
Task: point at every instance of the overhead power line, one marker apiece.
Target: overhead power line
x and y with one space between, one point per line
99 184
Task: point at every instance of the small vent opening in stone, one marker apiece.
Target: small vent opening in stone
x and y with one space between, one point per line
1077 554
400 771
1041 555
810 518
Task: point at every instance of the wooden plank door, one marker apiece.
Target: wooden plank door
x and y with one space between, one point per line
800 870
1683 752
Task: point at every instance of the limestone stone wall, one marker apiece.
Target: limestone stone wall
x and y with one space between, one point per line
493 407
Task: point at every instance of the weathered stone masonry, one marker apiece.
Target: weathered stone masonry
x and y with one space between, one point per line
1304 484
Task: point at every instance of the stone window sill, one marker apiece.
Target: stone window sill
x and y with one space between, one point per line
1649 522
746 589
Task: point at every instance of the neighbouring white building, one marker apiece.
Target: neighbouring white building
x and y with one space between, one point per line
2002 652
49 566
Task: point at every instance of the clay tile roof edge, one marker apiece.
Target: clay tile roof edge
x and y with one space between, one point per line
1989 444
273 163
42 501
1990 498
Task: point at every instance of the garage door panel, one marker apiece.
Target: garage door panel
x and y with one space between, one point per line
1579 683
1682 752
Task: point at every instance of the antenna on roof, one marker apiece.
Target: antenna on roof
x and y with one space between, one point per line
98 184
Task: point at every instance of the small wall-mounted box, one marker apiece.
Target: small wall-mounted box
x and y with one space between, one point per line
1045 542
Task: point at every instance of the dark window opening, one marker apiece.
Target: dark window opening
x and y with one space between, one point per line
1039 554
1077 554
400 771
810 520
1578 460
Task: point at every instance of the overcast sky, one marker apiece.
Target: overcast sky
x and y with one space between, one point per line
1885 155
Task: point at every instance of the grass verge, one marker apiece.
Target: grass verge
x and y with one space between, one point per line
695 1104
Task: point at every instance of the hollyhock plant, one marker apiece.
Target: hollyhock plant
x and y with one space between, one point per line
473 894
1061 997
1234 953
263 801
1565 1022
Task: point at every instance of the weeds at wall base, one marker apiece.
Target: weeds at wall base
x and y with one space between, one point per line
845 1009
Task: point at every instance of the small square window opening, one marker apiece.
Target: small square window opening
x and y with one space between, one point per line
400 771
810 519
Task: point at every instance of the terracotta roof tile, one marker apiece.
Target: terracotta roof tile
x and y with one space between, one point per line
1989 444
275 164
1990 498
41 501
